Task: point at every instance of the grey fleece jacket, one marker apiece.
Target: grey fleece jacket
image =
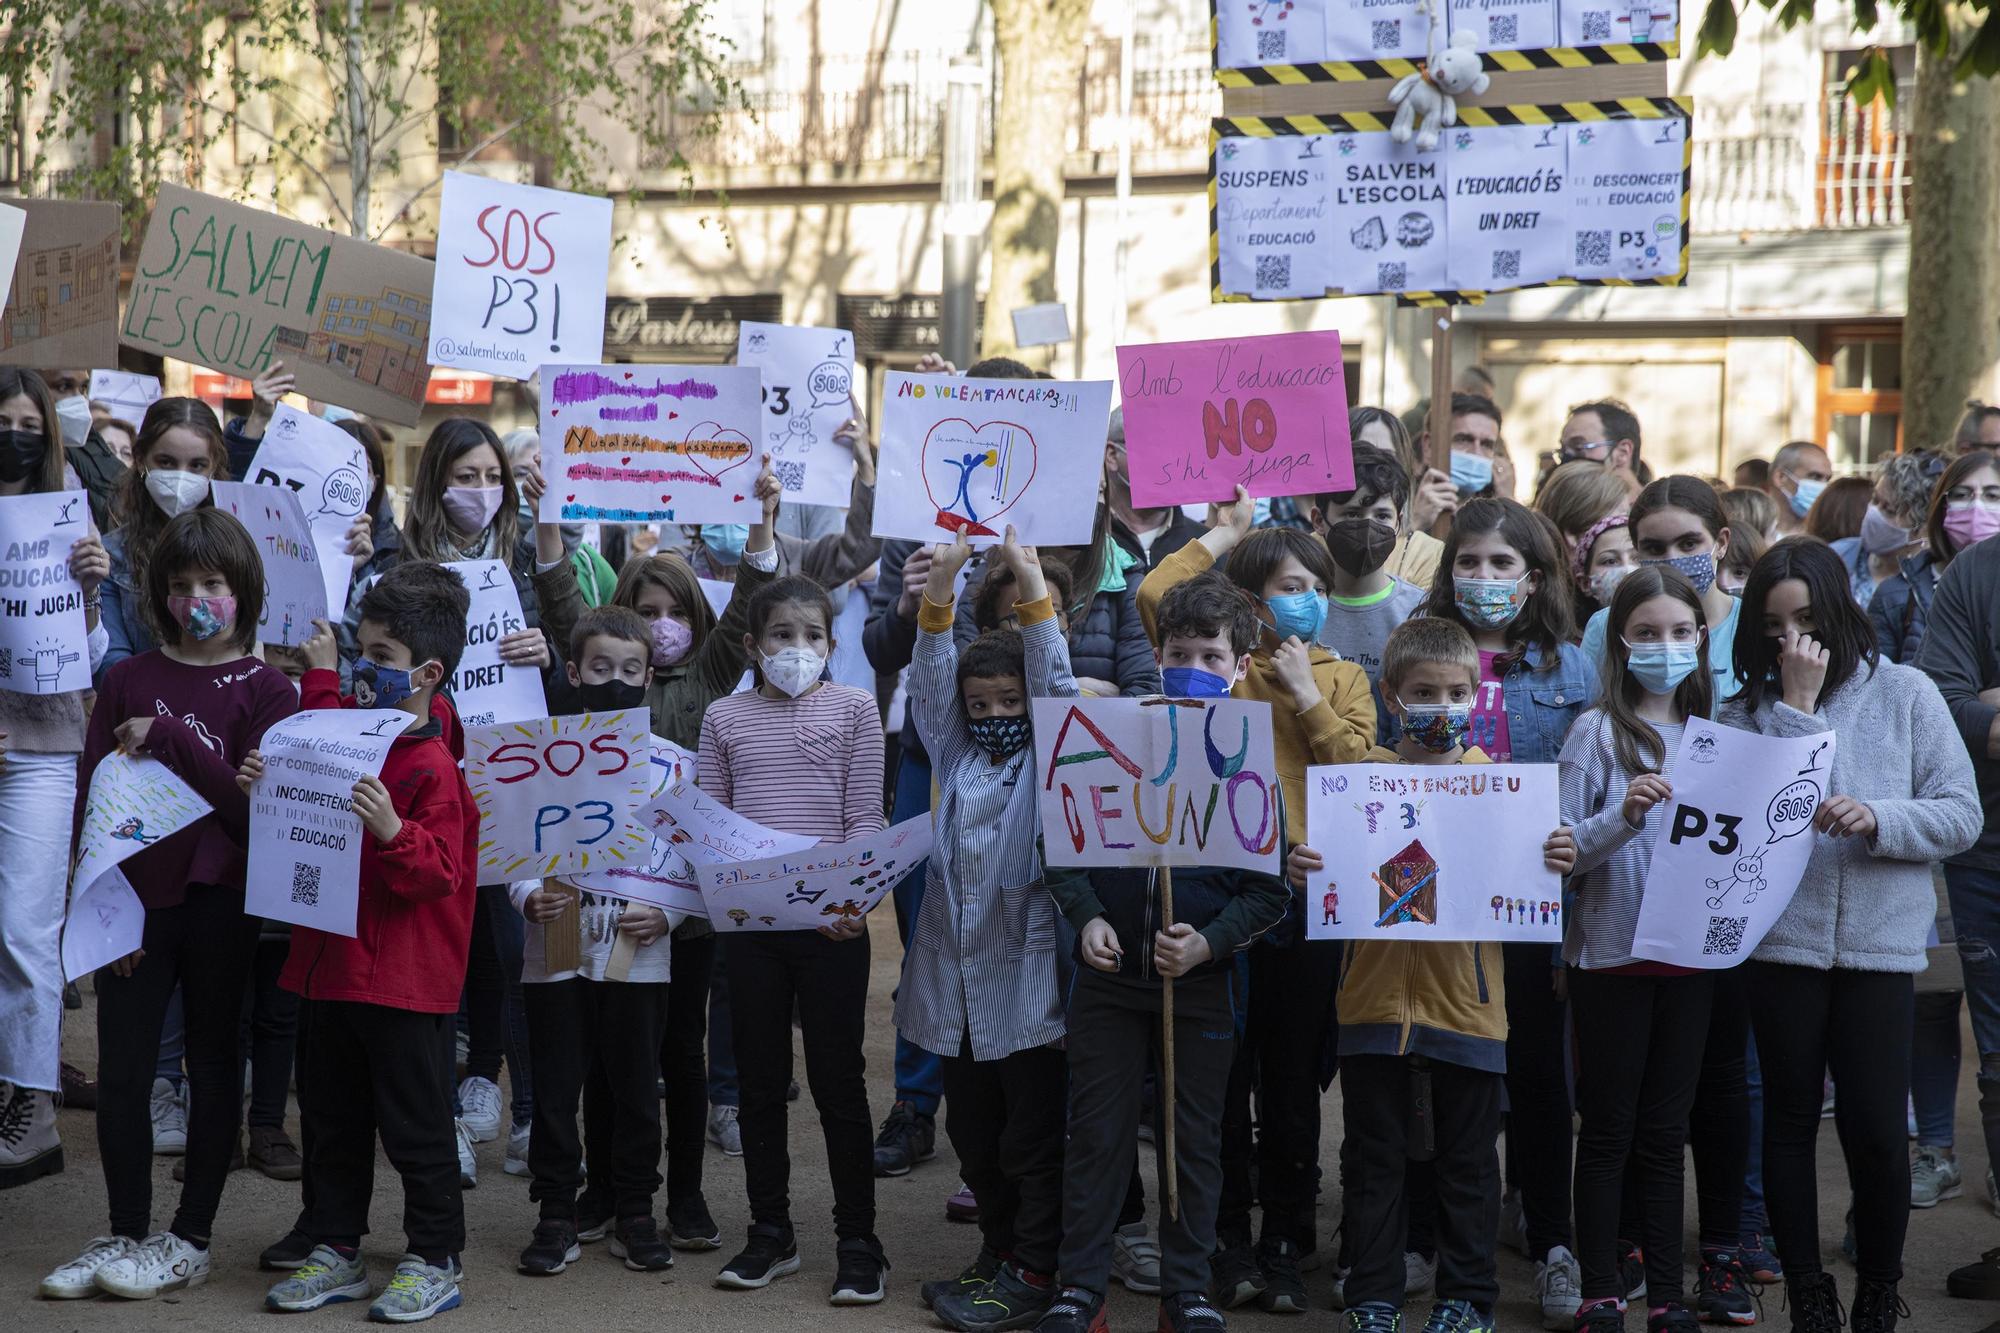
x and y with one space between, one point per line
1867 904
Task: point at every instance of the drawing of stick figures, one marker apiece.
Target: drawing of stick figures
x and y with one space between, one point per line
965 466
1498 902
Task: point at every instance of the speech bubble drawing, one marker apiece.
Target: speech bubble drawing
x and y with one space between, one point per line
1791 810
342 493
830 384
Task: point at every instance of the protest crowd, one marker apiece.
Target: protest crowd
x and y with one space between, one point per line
825 685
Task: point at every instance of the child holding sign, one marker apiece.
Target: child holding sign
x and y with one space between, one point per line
197 703
1640 1027
1423 1025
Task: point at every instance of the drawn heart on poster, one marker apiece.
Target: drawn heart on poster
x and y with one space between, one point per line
974 474
715 468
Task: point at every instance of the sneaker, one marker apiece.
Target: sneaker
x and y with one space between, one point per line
29 1145
1815 1303
767 1255
326 1277
962 1206
1457 1317
479 1102
554 1248
1673 1317
1877 1307
170 1119
1759 1262
1234 1276
637 1241
857 1277
724 1132
593 1218
689 1226
1601 1316
1190 1312
1934 1177
468 1164
1011 1299
977 1274
417 1291
161 1263
1338 1295
908 1136
274 1154
1514 1222
285 1255
1135 1259
1722 1290
1074 1310
1559 1289
1373 1317
1420 1273
1974 1282
1631 1271
516 1163
78 1278
1284 1287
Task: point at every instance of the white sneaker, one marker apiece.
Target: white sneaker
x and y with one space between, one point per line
170 1119
78 1278
468 1165
161 1263
1419 1274
1135 1259
517 1151
724 1132
1559 1288
480 1100
29 1145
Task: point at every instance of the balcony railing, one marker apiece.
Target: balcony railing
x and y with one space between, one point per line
1798 167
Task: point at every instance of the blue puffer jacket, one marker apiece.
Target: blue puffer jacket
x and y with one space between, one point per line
1901 608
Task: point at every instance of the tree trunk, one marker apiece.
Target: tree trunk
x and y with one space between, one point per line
1040 46
360 138
1951 332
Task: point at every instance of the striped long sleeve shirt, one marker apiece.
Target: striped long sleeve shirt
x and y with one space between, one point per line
1612 857
810 765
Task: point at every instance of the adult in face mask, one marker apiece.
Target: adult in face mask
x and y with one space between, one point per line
1799 472
97 466
1964 511
179 452
1896 508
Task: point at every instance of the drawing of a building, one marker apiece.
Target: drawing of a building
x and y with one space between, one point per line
378 339
1409 884
59 288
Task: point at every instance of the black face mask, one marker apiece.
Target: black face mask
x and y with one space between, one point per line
21 452
1360 545
610 696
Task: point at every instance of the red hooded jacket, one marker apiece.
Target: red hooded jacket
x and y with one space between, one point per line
413 928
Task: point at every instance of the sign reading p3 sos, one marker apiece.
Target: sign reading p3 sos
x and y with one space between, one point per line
560 795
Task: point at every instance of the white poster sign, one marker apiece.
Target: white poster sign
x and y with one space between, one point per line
820 886
295 582
1733 843
1270 32
1506 25
1388 218
808 377
560 795
1273 209
1421 852
651 444
134 801
327 469
1616 22
44 641
520 276
126 394
485 689
1505 185
1378 30
976 455
105 922
1625 198
666 879
13 224
305 839
707 832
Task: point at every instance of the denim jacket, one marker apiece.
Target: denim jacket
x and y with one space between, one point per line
1542 704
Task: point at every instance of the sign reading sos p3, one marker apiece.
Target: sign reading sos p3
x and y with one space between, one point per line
520 276
560 795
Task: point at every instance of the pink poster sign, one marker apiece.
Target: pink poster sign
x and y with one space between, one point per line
1268 414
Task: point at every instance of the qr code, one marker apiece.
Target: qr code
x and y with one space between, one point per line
1506 265
791 474
1274 273
1593 249
1392 277
1596 25
1503 29
1725 935
1271 44
305 884
1385 35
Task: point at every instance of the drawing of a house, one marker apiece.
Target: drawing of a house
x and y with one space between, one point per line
378 339
1409 884
60 288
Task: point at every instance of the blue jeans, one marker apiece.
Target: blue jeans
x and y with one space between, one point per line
919 1073
1975 916
1755 1220
1934 1058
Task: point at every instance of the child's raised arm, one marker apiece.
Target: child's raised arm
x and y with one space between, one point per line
933 678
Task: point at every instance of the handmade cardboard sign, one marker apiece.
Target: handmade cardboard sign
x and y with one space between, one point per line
666 879
295 582
485 689
327 469
976 455
134 801
649 444
235 288
1268 414
520 276
808 377
62 306
44 639
127 395
1158 782
1433 853
305 839
820 886
105 922
1733 843
560 795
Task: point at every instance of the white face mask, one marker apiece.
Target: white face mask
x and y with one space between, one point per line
73 414
794 670
176 492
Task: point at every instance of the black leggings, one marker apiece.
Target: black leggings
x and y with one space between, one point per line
1856 1025
1538 1109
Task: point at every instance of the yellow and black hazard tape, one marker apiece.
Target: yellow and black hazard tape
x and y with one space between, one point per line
1367 122
1495 62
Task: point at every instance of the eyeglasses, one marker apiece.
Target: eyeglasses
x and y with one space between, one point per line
1578 450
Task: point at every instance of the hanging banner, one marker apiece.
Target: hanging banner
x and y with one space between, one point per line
1274 214
559 795
1260 43
520 276
327 469
62 306
1425 852
820 886
44 638
650 444
1506 186
295 582
1732 844
1158 782
485 689
134 801
305 839
808 377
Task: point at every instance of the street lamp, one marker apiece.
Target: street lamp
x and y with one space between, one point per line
964 96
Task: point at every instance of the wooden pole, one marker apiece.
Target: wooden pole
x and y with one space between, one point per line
1167 1113
1440 419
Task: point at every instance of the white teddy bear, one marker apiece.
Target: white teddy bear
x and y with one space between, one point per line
1427 101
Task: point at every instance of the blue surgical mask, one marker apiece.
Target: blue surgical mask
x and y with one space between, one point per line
1471 472
1489 603
1661 667
1700 569
1808 491
1298 615
379 686
1185 682
1439 728
725 540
